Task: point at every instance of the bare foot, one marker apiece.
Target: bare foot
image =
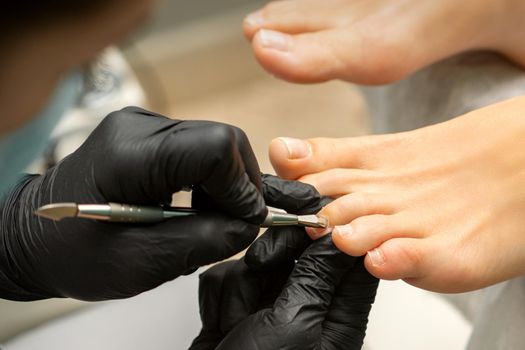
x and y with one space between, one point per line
441 207
375 41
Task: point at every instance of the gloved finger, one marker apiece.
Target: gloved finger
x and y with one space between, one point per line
209 155
250 160
346 321
202 200
278 246
292 196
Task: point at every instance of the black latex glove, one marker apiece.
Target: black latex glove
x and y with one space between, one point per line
134 157
324 305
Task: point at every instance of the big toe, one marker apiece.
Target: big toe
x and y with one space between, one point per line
368 232
294 158
290 157
326 55
302 58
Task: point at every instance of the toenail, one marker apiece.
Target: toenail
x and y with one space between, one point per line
376 257
274 40
316 233
297 149
343 231
255 19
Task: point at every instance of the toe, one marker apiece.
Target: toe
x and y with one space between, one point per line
351 206
429 263
341 53
399 258
291 158
347 208
303 58
294 158
368 232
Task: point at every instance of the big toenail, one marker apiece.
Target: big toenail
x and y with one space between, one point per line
297 149
274 40
343 231
376 257
255 19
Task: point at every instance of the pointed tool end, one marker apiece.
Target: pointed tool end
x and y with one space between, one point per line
57 212
313 221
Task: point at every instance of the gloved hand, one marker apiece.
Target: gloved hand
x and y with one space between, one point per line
134 157
323 305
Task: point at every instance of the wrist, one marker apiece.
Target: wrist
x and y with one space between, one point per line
14 216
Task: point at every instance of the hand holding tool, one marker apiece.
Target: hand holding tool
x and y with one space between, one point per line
133 156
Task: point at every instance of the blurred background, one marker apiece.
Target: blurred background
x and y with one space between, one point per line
191 61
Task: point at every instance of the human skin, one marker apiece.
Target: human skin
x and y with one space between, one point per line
34 61
376 41
440 207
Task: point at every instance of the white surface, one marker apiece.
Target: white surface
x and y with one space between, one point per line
165 318
407 318
403 318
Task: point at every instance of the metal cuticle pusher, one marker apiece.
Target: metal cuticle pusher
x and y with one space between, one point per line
123 213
